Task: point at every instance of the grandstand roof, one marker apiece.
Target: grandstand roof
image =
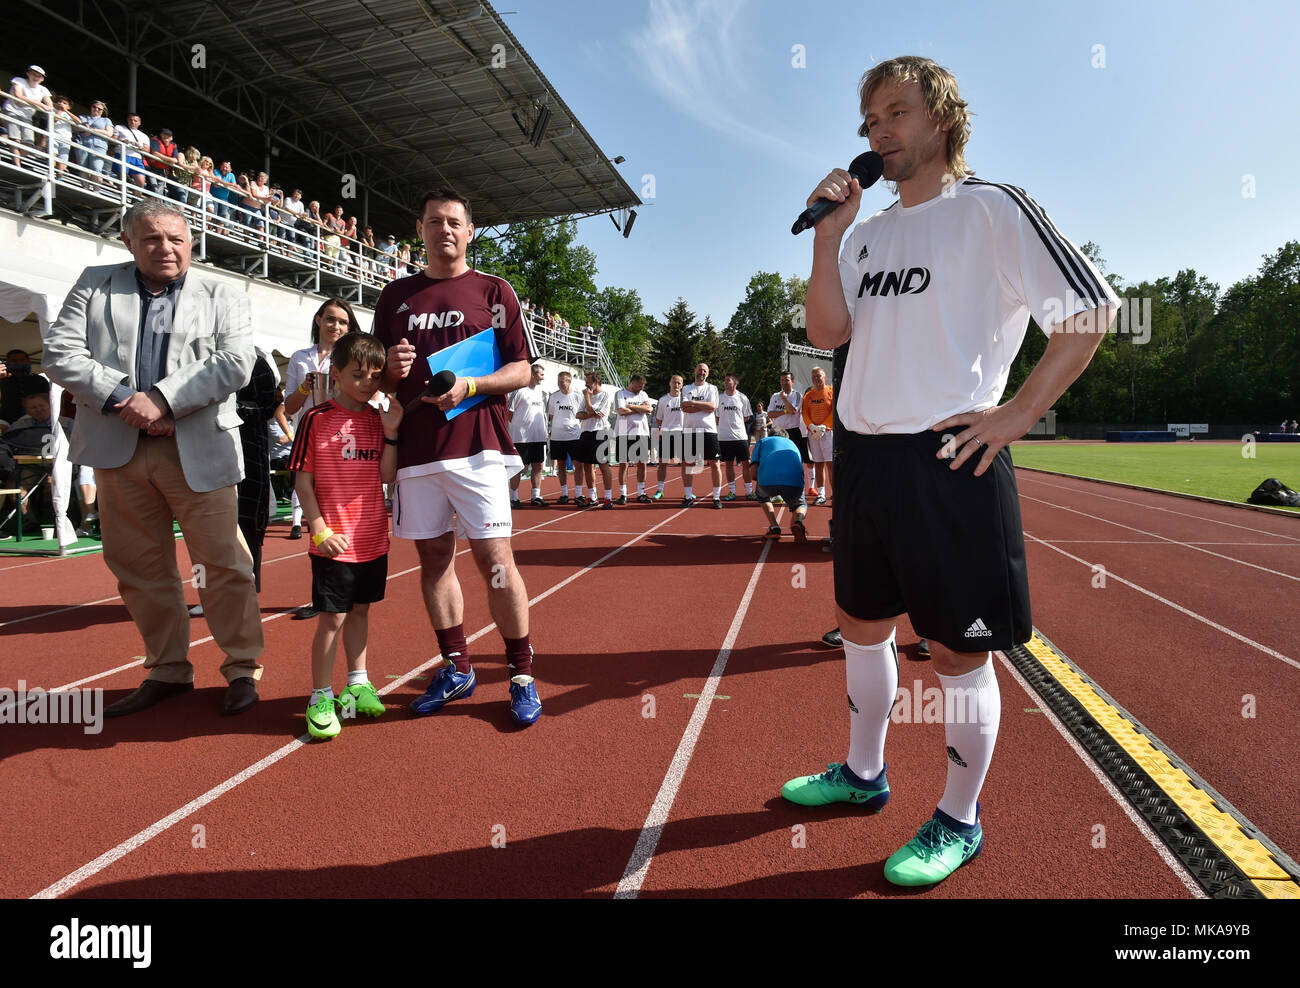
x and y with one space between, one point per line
401 93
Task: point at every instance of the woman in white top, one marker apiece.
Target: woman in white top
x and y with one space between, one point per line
31 97
307 381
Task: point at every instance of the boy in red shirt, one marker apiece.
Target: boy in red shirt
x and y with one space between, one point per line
343 454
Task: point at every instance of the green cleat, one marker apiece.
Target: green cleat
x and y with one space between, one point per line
940 847
322 722
658 496
832 787
364 699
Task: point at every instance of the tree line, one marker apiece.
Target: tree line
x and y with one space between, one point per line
1190 353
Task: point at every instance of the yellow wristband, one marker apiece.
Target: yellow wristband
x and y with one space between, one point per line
324 534
473 388
303 389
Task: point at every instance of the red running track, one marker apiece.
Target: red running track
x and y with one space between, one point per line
633 609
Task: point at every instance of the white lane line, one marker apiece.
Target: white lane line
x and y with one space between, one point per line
1178 607
1154 507
1177 867
92 868
639 863
1188 545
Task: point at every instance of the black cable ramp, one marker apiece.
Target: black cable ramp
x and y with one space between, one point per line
1224 851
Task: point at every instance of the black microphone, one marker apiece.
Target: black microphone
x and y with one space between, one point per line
866 168
442 382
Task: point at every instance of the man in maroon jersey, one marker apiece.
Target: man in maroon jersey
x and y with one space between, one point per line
458 469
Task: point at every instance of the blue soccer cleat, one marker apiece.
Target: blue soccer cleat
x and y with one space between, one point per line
525 707
450 685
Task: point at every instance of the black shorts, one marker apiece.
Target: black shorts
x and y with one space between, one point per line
632 449
594 447
336 587
670 445
944 547
699 446
734 450
560 448
532 452
801 443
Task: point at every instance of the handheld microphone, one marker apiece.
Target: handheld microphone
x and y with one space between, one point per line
442 382
866 168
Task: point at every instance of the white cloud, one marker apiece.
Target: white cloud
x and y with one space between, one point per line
696 59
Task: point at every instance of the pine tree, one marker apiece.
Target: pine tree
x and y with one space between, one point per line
674 348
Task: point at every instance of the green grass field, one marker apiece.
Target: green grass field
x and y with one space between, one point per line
1207 469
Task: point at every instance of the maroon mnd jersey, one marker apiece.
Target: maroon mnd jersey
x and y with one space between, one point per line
432 314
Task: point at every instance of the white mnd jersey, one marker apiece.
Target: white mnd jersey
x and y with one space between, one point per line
777 414
706 421
635 423
600 404
669 412
940 295
563 410
732 412
528 415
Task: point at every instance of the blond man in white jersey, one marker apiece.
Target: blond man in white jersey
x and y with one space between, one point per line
939 287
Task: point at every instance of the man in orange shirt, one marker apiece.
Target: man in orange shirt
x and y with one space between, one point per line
818 422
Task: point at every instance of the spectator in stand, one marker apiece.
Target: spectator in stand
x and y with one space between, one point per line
668 418
162 157
334 227
260 190
1295 426
389 259
135 142
562 407
315 222
351 247
526 409
734 416
62 120
421 259
404 259
27 96
632 435
224 192
292 209
526 307
282 220
367 249
185 174
94 141
201 184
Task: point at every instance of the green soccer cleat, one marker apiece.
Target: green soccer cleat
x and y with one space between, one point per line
658 496
832 787
940 847
322 722
365 699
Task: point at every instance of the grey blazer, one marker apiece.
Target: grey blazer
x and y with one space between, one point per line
91 349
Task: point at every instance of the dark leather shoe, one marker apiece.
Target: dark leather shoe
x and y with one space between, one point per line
151 691
923 649
240 695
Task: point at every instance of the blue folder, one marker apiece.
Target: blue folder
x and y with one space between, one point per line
474 356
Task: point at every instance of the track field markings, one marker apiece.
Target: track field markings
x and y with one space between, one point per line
639 863
93 868
1178 607
1152 507
1188 545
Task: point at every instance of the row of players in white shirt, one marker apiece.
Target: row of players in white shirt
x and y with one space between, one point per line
531 408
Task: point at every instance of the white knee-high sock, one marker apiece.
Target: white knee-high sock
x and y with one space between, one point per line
972 711
872 675
297 509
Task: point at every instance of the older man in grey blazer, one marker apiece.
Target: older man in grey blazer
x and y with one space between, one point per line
154 355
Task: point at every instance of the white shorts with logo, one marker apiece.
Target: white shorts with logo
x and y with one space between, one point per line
475 496
821 450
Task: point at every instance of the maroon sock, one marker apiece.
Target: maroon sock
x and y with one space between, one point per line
452 645
519 656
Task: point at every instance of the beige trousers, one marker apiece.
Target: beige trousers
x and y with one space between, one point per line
137 504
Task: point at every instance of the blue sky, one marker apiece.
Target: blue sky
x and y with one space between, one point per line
1148 156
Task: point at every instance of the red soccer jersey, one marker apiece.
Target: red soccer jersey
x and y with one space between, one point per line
435 313
341 450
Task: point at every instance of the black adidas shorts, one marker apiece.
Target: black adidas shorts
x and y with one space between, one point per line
734 450
531 452
801 443
594 447
632 449
944 547
560 448
699 446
